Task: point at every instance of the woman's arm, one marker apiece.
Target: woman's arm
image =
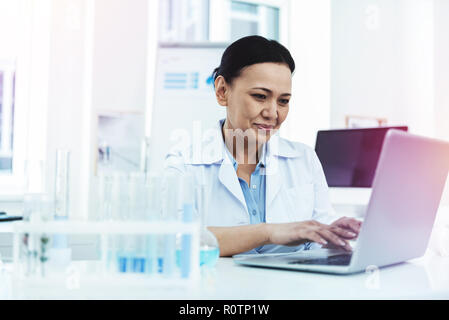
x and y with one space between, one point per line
235 240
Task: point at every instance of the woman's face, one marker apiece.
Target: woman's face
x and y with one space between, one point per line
257 100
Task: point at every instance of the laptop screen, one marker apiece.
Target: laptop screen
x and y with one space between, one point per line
349 156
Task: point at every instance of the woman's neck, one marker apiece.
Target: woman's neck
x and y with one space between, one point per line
245 150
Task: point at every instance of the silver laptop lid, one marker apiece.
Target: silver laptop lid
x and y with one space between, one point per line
407 189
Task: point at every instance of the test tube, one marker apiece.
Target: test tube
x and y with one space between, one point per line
153 213
60 241
105 206
187 216
170 214
104 197
137 213
119 212
62 185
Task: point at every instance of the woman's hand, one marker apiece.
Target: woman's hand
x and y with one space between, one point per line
296 233
350 225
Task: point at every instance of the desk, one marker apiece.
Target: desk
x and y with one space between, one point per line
423 278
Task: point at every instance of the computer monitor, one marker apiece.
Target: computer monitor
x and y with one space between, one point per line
349 156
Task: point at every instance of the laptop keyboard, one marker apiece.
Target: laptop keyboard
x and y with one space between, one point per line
336 260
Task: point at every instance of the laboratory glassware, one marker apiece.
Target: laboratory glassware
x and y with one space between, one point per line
62 184
153 212
117 253
137 202
61 252
37 207
170 213
185 252
209 249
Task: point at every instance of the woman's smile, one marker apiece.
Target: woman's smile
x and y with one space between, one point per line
265 127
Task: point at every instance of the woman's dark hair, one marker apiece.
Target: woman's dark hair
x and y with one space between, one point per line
248 51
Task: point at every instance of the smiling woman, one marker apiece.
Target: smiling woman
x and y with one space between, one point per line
254 82
265 194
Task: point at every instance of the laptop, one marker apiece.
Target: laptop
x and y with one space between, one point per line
407 188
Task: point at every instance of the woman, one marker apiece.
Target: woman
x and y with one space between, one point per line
265 194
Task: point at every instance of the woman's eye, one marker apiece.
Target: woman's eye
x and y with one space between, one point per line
284 101
260 96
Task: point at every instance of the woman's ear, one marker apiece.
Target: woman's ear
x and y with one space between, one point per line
221 91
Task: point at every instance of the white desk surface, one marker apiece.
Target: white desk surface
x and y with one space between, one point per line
423 278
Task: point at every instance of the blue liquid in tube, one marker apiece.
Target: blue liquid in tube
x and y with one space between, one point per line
138 264
122 262
186 250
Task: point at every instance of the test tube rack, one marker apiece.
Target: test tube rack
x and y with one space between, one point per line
101 277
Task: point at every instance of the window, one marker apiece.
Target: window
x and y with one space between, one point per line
250 18
184 20
221 20
10 30
7 76
24 42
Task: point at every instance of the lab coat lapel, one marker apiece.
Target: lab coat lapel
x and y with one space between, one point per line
273 179
228 177
276 152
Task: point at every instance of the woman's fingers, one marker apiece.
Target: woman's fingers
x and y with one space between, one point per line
316 237
344 233
350 223
354 225
333 238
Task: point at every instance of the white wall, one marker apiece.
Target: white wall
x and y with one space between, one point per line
382 62
119 66
390 59
309 44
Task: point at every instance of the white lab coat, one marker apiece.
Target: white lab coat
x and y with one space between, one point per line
296 188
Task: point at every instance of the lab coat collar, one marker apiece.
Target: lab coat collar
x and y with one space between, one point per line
213 149
275 149
228 177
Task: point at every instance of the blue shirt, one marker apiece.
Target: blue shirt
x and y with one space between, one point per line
254 195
